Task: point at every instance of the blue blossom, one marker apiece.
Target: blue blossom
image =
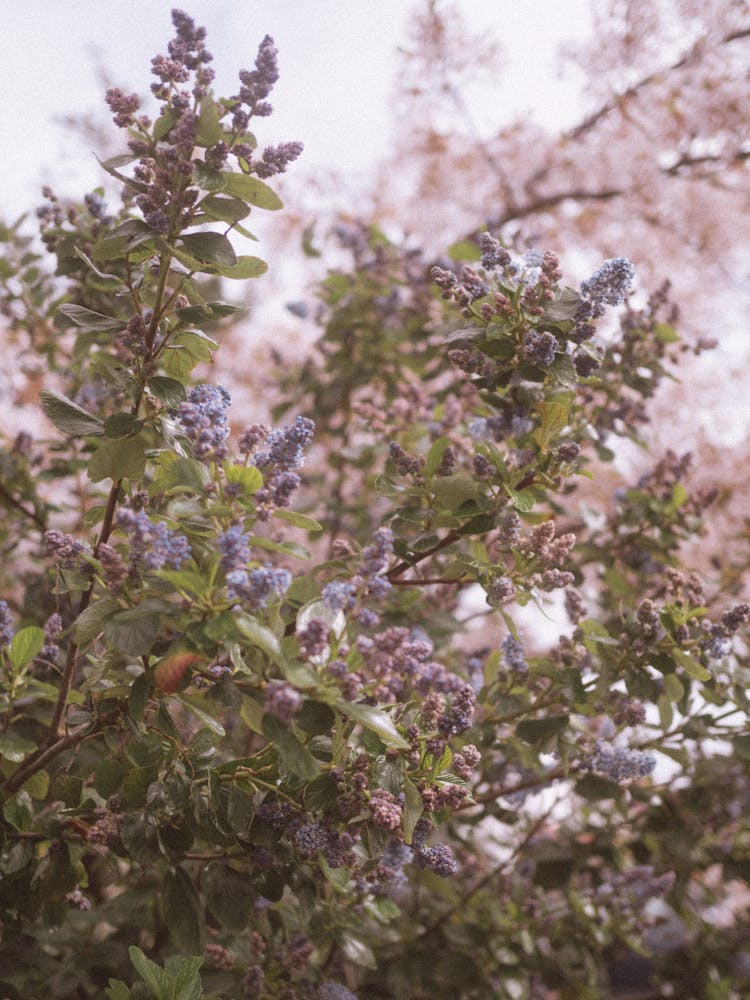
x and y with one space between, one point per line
524 272
514 655
310 838
204 420
234 547
152 542
7 630
338 595
335 991
607 286
257 587
619 764
285 447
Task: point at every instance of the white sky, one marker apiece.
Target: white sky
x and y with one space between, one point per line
337 61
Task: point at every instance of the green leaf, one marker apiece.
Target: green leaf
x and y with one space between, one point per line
25 645
168 390
358 953
132 631
464 250
69 417
15 748
536 730
208 720
209 123
435 455
292 753
117 990
522 500
413 808
594 787
124 458
151 973
87 319
376 720
246 267
183 475
90 622
249 478
230 895
691 666
210 248
182 971
208 179
166 121
186 579
563 308
259 635
554 419
298 520
183 913
253 191
121 425
224 209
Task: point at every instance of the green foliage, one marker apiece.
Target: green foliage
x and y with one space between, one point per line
307 745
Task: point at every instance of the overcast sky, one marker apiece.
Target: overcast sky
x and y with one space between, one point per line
337 60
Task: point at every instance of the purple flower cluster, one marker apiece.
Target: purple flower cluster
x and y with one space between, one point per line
283 701
65 549
152 543
276 159
204 420
539 348
619 764
499 590
607 286
386 812
335 991
234 547
285 447
460 717
397 660
53 628
338 595
7 631
256 587
438 859
514 655
257 84
375 559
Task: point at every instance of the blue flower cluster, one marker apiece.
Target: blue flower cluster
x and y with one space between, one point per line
438 859
607 286
514 654
335 991
619 764
285 447
256 587
234 547
152 543
204 420
6 624
338 595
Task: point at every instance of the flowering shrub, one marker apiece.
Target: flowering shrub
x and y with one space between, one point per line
276 711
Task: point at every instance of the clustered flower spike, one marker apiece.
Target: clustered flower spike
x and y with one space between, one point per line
234 547
285 447
438 859
152 543
257 587
619 764
204 421
7 631
335 991
607 286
